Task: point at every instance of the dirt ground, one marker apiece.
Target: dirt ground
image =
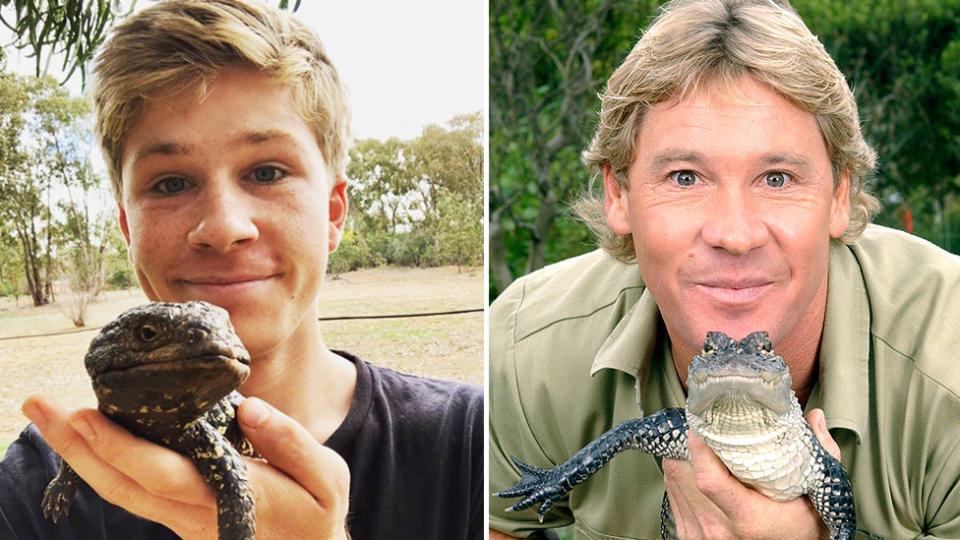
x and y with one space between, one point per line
449 347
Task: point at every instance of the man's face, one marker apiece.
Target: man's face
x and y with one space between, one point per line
731 204
229 200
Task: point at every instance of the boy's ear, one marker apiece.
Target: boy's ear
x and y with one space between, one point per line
338 212
124 228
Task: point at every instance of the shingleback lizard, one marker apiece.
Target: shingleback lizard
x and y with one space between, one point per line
168 372
740 403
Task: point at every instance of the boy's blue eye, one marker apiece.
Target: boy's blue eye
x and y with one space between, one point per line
266 174
171 185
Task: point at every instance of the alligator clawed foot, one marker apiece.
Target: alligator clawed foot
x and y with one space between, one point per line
536 485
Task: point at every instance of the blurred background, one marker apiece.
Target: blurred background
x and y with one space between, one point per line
548 61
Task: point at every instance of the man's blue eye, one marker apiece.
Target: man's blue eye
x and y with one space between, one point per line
776 179
169 186
266 174
684 178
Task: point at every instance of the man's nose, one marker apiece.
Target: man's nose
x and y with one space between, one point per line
224 217
734 222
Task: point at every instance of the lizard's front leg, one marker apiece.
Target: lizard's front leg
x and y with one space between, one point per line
224 470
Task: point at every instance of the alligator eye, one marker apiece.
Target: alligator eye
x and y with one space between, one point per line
709 347
767 345
148 332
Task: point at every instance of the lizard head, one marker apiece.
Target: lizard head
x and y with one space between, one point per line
728 374
166 360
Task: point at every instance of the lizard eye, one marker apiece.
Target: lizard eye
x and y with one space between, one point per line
148 332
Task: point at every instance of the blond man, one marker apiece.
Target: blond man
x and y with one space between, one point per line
225 128
733 172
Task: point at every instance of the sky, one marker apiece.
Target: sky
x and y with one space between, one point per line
406 64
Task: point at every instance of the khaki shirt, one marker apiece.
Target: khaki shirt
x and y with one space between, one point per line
580 346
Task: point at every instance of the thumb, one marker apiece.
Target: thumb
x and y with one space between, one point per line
818 422
288 446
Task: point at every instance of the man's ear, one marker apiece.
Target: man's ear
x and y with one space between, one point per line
615 203
337 212
840 206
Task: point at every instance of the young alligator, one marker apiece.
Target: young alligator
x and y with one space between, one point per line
168 372
741 405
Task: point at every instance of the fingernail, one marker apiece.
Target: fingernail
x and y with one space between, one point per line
83 427
36 415
255 413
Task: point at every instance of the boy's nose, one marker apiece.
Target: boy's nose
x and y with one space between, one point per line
224 220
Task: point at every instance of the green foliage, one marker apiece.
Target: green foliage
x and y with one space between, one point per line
549 60
120 279
71 28
902 57
417 202
46 185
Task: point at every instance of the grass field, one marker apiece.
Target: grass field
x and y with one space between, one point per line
448 347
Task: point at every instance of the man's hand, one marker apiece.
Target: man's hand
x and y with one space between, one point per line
301 491
708 502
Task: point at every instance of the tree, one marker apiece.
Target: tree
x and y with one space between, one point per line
71 29
902 58
402 192
548 61
46 142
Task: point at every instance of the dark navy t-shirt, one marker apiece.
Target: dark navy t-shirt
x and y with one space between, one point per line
414 447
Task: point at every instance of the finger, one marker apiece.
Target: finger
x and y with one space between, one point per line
157 469
695 515
711 475
818 422
288 446
107 481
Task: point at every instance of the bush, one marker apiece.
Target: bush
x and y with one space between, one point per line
120 279
352 253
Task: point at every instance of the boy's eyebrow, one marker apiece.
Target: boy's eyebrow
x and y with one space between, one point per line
255 137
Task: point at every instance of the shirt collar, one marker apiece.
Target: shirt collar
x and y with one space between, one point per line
629 348
845 345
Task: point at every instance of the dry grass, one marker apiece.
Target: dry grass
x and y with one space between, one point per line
449 347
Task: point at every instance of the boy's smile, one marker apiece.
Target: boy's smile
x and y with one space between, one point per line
229 200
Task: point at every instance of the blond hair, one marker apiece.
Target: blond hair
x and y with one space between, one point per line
696 43
181 44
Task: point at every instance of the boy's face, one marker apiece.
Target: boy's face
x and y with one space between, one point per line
230 201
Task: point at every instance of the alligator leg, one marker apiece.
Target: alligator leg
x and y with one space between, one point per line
832 495
663 433
224 470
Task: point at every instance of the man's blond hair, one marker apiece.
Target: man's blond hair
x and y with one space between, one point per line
183 44
697 43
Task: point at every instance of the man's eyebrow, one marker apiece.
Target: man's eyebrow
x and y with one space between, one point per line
786 158
666 157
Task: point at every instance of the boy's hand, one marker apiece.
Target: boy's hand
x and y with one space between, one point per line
301 491
708 502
